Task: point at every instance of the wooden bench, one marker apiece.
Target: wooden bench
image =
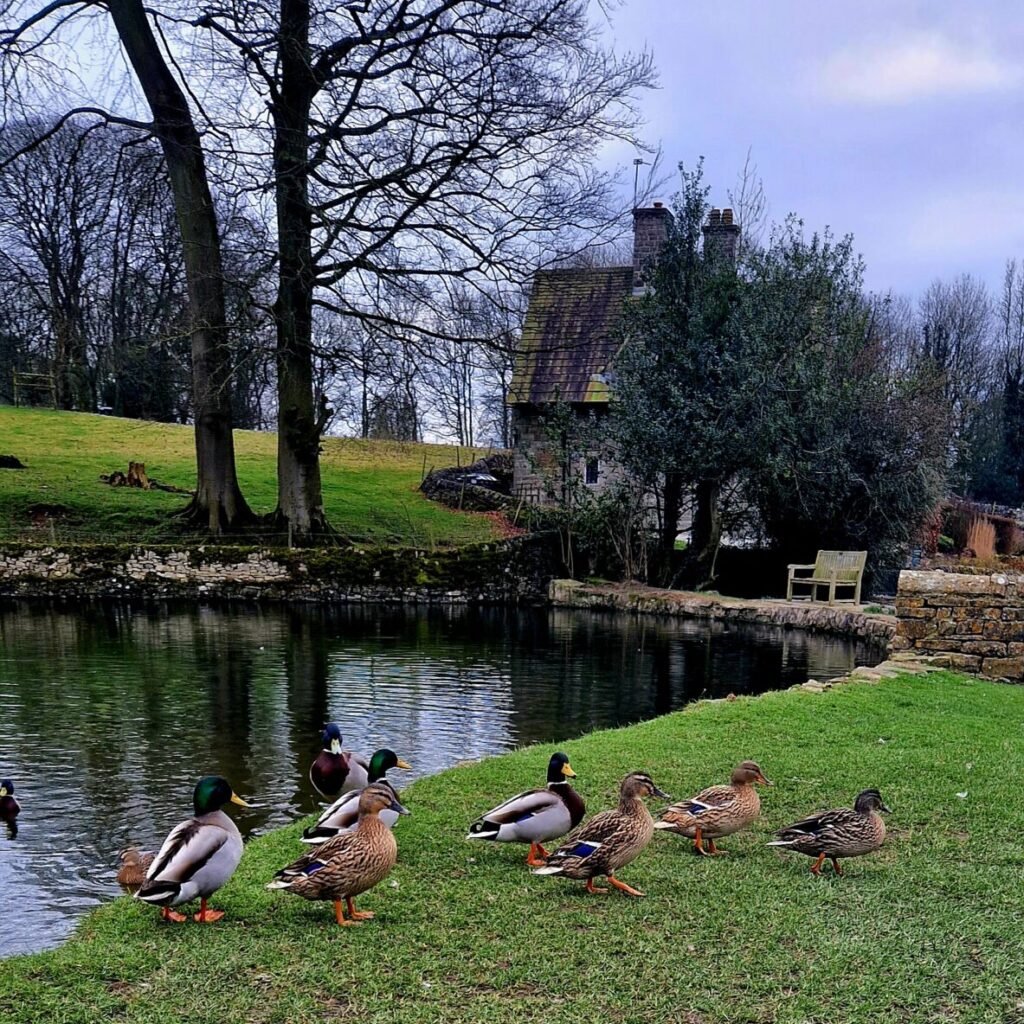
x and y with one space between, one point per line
832 569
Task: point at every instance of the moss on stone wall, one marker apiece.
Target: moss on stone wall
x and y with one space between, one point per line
505 571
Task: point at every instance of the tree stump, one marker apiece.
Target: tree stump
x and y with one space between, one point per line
137 476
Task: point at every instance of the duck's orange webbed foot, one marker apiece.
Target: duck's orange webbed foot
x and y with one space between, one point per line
816 866
172 915
698 843
534 858
358 915
714 851
205 915
591 888
339 916
625 888
835 866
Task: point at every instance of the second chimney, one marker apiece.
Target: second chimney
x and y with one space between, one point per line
721 236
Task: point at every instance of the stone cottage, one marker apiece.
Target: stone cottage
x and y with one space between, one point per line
567 352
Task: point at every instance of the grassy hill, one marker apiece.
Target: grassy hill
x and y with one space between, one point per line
370 487
927 930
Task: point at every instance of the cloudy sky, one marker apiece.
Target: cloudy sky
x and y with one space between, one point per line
901 122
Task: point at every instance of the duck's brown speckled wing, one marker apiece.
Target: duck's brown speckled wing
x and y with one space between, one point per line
591 848
841 832
346 865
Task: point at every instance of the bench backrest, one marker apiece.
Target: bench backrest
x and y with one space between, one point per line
846 565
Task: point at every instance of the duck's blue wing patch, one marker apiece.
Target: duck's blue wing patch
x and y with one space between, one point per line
312 868
583 850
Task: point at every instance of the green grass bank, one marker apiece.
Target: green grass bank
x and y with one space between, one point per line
370 487
926 930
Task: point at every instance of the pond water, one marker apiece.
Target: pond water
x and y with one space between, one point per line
110 712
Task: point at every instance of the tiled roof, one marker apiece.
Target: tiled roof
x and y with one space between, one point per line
569 336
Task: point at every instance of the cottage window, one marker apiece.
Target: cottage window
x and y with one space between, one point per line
592 471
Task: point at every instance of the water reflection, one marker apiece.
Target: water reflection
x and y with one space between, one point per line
109 712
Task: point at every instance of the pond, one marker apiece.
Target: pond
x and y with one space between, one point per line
110 712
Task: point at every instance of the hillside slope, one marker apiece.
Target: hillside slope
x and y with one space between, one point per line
370 487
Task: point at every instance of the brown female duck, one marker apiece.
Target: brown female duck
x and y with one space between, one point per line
350 863
134 865
838 833
610 840
717 811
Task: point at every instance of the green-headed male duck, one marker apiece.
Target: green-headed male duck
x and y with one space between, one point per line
198 857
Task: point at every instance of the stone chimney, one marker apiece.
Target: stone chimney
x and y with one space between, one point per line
650 232
721 236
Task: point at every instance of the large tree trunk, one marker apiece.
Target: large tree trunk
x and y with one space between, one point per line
218 503
299 497
705 534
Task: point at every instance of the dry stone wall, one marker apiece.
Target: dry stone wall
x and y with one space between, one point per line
969 621
515 571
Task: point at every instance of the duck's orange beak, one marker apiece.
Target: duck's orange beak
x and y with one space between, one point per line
763 780
403 764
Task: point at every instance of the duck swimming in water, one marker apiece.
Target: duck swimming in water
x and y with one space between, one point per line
9 806
336 771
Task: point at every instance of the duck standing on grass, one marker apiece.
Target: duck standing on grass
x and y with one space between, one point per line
536 816
134 865
336 771
717 811
610 840
198 857
838 833
349 864
9 806
343 814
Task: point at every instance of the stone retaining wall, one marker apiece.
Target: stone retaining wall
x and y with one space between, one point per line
971 621
632 597
508 572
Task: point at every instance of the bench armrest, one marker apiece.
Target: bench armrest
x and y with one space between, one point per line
800 567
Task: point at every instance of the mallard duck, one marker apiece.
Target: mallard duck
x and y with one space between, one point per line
838 833
343 814
336 771
9 806
536 816
199 855
718 810
134 865
610 840
350 863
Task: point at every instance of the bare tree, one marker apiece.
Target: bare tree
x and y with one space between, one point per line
956 323
218 503
413 148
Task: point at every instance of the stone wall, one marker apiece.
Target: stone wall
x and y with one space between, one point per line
535 471
515 571
969 621
634 597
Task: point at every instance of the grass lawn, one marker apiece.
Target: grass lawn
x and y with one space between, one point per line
370 487
928 929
